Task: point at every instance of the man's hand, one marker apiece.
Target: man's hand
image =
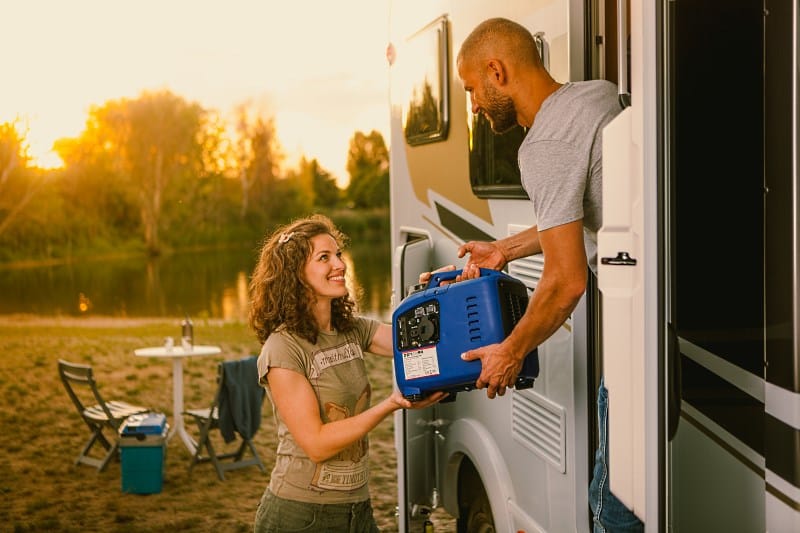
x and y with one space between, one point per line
499 368
483 255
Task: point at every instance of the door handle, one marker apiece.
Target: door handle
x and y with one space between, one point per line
622 259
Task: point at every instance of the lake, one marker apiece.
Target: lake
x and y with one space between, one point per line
209 284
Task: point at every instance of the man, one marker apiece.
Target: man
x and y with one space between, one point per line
561 168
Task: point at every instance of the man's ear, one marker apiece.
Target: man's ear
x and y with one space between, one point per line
497 71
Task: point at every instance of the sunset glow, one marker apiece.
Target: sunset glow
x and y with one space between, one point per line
318 67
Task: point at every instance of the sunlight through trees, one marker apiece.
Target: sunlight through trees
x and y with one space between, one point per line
158 172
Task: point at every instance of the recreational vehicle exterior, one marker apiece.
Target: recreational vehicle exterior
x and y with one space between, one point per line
693 319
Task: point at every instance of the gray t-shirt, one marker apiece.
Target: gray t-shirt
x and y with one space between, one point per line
334 367
560 158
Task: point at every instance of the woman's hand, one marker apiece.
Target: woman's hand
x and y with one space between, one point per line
425 277
468 272
403 403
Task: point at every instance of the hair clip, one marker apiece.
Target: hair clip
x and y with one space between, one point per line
285 237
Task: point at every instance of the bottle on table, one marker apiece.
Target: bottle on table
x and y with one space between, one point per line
187 333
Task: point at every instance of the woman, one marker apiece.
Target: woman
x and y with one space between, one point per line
312 366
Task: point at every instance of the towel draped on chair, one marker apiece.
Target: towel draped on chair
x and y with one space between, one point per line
240 399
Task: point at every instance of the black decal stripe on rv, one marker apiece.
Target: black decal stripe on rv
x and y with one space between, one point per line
788 501
722 444
460 227
744 417
782 443
737 412
783 497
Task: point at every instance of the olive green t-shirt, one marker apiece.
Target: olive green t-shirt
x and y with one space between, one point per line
335 368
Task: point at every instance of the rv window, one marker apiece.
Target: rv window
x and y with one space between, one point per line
426 108
493 169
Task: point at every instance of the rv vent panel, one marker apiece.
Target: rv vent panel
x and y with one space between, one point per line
538 424
528 270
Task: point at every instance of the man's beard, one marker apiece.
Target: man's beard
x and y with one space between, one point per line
499 110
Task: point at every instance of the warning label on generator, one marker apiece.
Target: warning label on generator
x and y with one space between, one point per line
421 363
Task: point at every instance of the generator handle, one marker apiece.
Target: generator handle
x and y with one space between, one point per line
449 275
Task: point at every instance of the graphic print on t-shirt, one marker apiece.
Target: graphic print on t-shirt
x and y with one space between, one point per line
337 355
349 469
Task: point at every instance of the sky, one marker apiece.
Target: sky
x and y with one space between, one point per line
318 67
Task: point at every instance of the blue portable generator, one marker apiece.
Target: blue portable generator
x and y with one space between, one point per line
436 323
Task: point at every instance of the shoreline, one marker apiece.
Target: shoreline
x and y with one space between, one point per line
99 321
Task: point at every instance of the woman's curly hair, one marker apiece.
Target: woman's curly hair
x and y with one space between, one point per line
278 293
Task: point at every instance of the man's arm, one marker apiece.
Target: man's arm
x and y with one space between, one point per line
561 286
496 254
522 244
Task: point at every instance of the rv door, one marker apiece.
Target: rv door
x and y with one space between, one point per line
627 264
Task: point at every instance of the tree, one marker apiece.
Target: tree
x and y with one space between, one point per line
18 184
151 142
318 184
326 191
368 166
257 154
95 198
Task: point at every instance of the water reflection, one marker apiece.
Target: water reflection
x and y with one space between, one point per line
202 284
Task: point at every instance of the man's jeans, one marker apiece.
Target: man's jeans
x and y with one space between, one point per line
609 514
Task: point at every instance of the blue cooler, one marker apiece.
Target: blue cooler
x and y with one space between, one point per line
142 443
433 326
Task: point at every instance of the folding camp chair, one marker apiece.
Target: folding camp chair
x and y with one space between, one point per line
103 415
235 410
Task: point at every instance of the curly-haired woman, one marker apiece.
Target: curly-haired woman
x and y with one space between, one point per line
312 365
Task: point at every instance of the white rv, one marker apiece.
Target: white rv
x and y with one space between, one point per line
700 325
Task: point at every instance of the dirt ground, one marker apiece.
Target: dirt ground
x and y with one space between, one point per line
42 490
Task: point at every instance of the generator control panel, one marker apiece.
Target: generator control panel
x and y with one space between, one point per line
419 326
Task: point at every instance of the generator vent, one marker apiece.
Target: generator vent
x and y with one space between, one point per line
516 304
538 424
473 319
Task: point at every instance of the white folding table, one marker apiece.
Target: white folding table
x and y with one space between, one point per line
177 354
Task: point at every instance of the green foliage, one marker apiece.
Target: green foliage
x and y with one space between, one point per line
317 184
18 183
368 166
364 224
159 173
13 148
153 145
288 201
257 154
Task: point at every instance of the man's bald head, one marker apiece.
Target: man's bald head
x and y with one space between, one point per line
503 39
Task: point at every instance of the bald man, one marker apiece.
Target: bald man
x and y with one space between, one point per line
561 168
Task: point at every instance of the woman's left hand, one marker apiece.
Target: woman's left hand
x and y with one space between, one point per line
397 397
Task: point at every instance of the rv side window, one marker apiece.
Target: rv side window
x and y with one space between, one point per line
493 169
426 109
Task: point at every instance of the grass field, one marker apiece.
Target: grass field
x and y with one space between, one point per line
42 490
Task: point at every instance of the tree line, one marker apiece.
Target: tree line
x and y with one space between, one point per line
158 172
